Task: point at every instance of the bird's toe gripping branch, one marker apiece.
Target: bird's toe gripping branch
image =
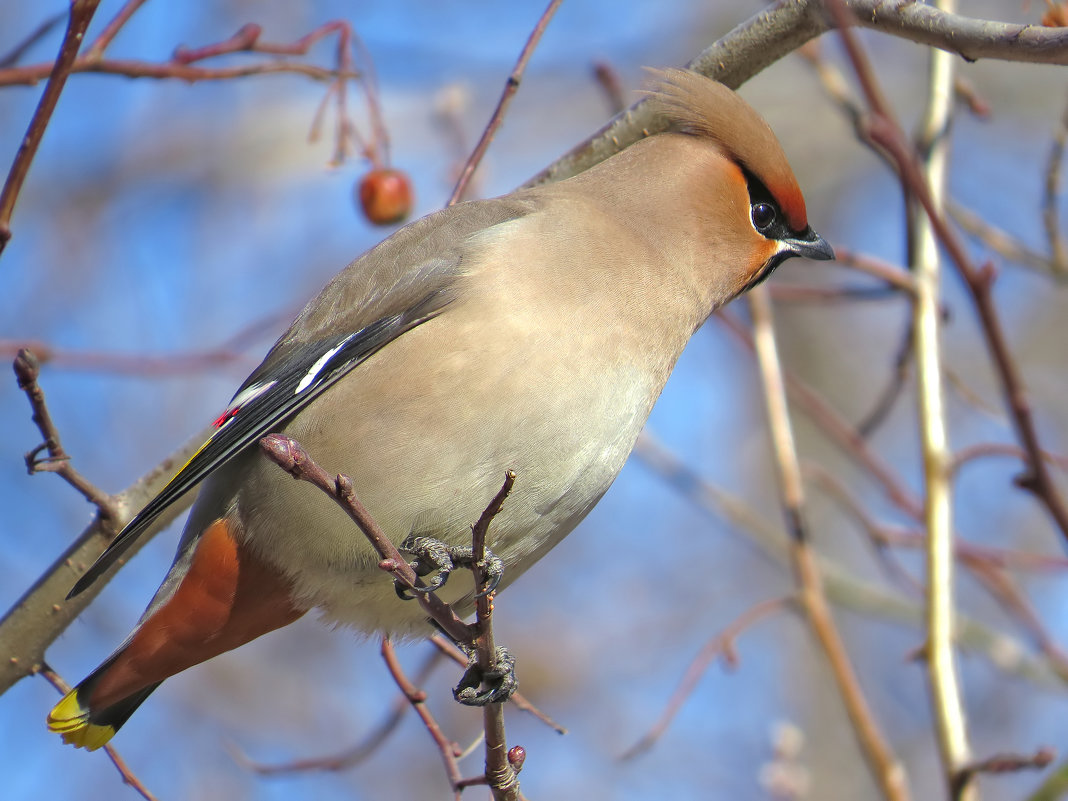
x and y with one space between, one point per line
499 679
435 556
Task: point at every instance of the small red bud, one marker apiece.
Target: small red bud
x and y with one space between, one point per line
517 755
385 196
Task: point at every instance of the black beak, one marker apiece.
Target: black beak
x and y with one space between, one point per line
809 245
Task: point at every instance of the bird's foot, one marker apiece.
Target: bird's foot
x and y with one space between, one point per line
435 556
499 679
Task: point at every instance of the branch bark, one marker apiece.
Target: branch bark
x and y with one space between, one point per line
43 613
946 703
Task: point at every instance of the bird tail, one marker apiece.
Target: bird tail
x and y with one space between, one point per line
85 727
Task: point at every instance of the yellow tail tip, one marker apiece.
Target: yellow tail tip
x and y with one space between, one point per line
70 719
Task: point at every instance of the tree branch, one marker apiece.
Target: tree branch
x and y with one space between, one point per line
947 705
771 34
886 768
81 12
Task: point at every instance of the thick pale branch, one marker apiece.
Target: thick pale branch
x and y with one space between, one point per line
43 612
947 705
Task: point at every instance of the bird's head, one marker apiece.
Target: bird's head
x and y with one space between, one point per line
743 185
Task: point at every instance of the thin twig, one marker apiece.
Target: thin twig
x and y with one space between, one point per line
722 645
837 429
877 534
836 87
127 775
998 583
27 371
247 40
1051 221
987 565
611 86
795 293
448 749
986 450
888 771
511 86
81 12
894 275
1001 242
32 74
502 779
15 54
1054 787
1004 763
43 612
111 30
147 365
785 26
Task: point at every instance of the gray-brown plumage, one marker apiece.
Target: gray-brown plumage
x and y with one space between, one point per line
531 332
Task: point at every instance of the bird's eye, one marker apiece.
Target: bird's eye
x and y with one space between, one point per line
763 216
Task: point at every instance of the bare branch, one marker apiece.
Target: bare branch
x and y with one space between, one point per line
842 587
947 704
1058 250
417 698
14 56
501 776
111 30
81 12
27 370
838 430
781 29
1001 242
1003 763
887 770
882 129
43 612
511 86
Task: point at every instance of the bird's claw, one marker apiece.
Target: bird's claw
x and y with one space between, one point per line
499 679
435 556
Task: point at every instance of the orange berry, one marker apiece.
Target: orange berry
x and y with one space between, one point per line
385 196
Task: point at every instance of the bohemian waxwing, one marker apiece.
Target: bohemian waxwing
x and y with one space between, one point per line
532 333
